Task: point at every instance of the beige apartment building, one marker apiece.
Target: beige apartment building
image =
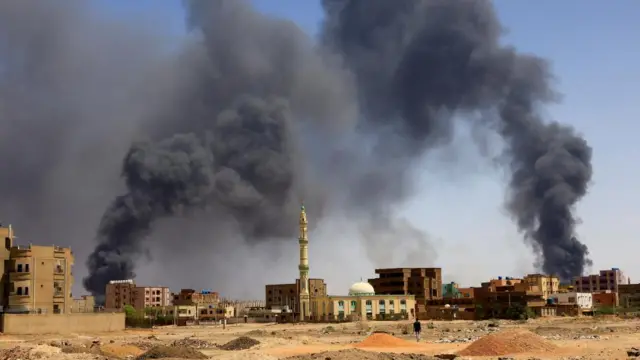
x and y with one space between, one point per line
36 279
548 284
125 292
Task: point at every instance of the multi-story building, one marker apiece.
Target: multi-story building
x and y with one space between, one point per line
548 284
206 302
424 283
606 280
125 292
286 296
629 295
35 279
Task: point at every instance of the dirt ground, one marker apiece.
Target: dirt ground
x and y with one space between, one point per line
563 338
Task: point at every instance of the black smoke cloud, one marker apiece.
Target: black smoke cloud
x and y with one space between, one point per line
250 116
421 64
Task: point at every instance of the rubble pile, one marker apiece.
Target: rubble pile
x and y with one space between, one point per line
193 343
241 343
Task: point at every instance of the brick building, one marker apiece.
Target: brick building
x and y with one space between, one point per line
125 292
424 283
287 295
605 280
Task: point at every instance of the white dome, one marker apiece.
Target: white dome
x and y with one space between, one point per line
361 288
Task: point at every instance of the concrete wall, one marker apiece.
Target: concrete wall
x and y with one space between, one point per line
62 323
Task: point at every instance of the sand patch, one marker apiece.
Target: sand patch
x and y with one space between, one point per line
382 340
508 342
120 351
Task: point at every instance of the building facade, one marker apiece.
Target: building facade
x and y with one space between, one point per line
629 295
582 300
36 279
605 280
83 304
120 293
424 283
205 302
548 284
286 296
362 303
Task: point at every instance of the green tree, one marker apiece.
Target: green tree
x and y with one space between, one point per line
129 311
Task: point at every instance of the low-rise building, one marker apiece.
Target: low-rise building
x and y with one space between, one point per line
629 296
83 304
605 298
362 303
582 300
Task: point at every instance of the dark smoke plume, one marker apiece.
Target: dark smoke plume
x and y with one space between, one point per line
421 64
249 116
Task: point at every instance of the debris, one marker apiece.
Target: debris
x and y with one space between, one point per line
241 343
15 353
194 343
355 354
633 352
163 352
446 356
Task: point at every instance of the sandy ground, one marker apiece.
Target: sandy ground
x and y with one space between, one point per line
583 338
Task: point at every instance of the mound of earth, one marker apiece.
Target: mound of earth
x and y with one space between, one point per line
180 352
355 354
120 350
15 353
508 342
383 340
241 343
194 343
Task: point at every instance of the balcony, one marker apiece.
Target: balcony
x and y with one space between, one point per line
19 276
19 300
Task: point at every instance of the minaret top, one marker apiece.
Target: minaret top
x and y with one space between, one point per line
303 215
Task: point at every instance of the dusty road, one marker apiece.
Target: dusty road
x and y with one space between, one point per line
558 338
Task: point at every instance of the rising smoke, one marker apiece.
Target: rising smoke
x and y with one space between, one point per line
253 116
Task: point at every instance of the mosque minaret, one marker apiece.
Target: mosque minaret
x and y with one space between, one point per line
303 240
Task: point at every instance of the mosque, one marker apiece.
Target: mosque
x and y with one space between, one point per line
309 301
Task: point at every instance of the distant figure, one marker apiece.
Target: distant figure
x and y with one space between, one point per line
416 329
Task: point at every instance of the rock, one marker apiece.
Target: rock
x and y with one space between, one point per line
633 352
446 356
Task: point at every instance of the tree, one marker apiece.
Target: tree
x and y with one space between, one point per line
129 311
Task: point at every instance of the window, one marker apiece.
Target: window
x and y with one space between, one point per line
19 268
56 309
392 307
26 267
353 306
340 306
403 306
381 307
19 291
26 290
368 307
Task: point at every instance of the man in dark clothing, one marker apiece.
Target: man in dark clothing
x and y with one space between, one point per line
416 329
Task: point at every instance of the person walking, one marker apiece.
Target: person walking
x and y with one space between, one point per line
416 329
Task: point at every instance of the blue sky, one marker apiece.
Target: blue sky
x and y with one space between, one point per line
595 54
